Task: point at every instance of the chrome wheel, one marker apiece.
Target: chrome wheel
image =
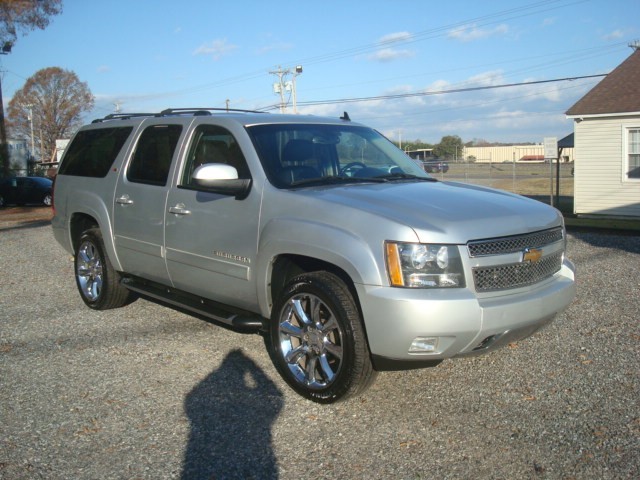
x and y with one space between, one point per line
89 271
316 339
311 341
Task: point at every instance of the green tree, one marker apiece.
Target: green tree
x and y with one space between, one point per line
449 148
57 99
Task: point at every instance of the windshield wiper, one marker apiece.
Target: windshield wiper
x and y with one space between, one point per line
406 176
336 180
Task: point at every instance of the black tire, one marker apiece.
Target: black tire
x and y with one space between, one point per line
97 281
316 339
47 199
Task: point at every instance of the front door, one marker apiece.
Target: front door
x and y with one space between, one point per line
211 239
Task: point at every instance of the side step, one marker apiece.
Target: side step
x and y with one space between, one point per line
239 320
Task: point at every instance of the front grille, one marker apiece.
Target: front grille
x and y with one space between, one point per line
516 243
515 275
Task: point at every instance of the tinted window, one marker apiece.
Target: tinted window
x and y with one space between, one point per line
213 144
152 158
294 155
92 152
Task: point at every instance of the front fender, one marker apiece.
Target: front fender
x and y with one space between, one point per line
320 241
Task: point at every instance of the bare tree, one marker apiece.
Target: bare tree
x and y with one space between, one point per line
56 99
20 16
25 15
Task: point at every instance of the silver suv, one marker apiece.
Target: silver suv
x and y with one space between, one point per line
316 232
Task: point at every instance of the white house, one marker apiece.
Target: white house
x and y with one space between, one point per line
607 144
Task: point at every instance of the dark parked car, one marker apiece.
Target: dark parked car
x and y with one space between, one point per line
435 166
23 190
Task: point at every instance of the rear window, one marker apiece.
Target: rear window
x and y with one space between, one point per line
92 152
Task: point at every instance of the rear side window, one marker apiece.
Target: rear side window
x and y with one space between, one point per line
152 158
92 152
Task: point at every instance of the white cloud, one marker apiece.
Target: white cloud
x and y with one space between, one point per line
547 22
104 69
216 48
390 54
395 37
469 33
615 35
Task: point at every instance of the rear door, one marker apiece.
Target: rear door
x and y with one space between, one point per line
141 195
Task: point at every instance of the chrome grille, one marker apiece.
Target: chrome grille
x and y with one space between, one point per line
516 243
515 275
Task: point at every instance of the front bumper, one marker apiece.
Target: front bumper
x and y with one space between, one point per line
462 322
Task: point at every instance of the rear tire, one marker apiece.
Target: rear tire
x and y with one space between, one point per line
316 339
97 281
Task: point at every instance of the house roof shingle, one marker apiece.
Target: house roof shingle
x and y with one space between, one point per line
618 92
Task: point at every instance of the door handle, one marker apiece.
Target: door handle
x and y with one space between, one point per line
124 200
179 209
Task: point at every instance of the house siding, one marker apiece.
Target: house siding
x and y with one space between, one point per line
600 186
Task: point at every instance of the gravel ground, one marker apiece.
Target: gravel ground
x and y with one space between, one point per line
149 392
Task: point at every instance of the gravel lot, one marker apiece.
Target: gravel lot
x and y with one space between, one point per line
149 392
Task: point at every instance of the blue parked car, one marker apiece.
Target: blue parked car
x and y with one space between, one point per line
25 190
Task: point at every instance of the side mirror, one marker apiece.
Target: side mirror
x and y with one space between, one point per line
221 178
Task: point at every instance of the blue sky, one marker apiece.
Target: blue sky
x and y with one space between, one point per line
147 55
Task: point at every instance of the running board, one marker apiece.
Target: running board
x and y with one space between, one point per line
237 319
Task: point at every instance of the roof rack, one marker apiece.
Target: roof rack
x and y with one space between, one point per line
201 111
169 112
122 116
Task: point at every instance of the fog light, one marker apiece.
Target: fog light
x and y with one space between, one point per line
424 345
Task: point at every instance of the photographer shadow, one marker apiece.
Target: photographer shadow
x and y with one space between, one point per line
231 413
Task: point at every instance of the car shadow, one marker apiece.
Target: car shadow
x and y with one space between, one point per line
231 413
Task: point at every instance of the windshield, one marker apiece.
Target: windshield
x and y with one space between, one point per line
295 155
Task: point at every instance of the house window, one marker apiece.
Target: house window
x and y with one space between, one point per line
633 153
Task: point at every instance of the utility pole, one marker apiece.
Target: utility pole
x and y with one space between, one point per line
281 86
4 150
33 147
278 87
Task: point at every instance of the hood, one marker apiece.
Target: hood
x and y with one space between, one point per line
445 212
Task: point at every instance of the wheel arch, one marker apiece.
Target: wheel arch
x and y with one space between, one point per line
290 247
288 266
82 221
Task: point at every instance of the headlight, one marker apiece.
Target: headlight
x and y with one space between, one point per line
419 265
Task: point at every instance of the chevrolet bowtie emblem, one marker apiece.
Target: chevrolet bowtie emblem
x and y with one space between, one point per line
531 255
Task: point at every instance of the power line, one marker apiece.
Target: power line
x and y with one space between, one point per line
436 92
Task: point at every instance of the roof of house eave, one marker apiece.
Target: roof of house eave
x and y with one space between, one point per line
618 92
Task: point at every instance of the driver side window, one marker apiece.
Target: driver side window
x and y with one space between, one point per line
213 144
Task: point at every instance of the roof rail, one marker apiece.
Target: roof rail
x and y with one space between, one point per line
201 111
122 116
172 112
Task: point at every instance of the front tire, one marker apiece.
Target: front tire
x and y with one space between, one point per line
97 281
316 339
